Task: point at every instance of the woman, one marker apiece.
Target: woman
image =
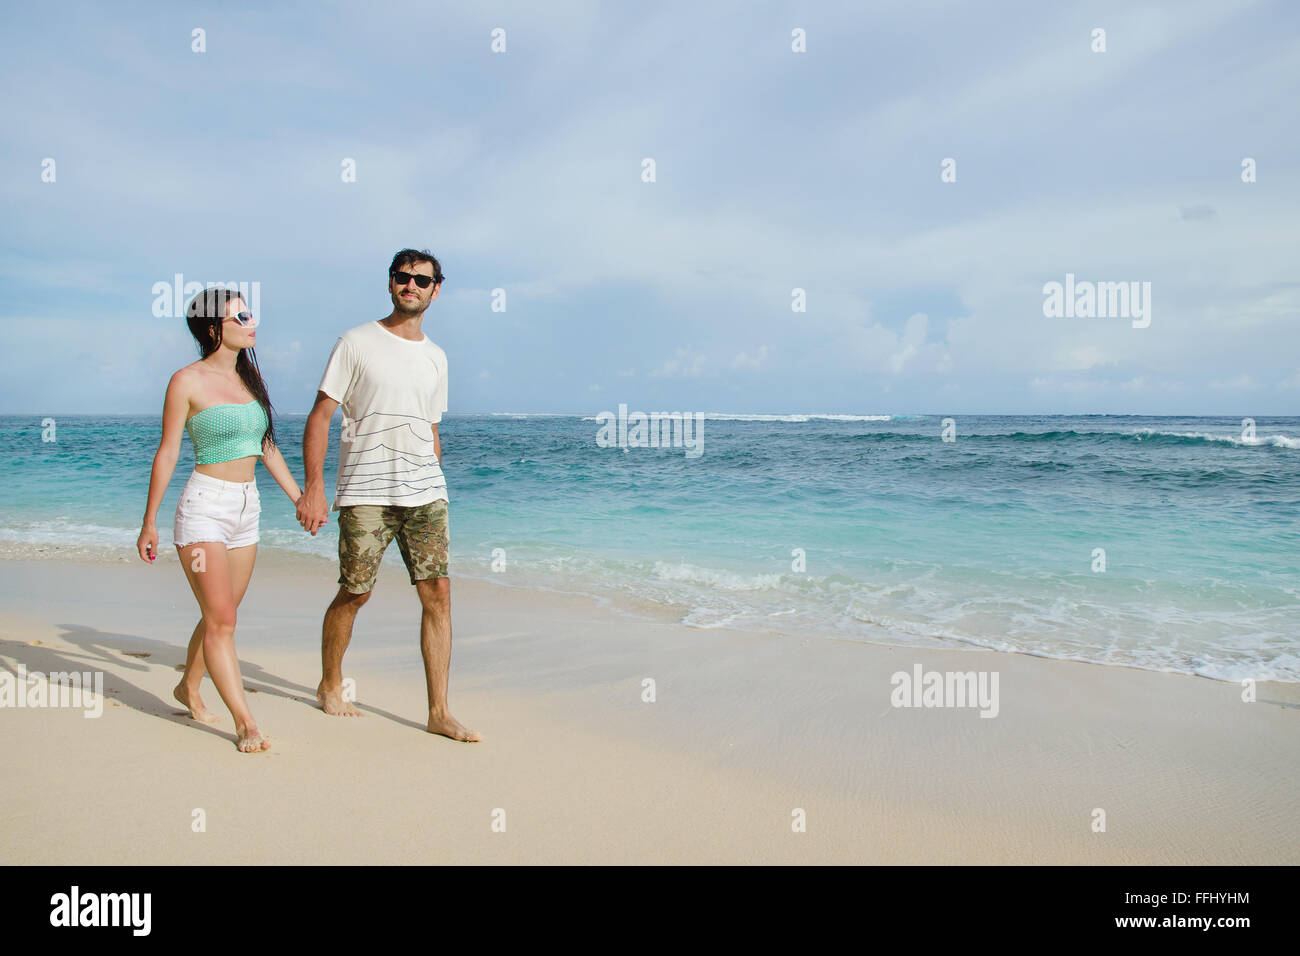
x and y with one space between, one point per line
222 401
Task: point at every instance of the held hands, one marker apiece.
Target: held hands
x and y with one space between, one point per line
147 543
313 509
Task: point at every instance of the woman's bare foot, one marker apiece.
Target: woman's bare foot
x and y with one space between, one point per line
250 741
194 704
332 702
449 726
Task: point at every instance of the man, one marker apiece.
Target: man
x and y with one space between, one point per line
392 384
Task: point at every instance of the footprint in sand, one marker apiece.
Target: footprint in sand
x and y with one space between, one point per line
138 654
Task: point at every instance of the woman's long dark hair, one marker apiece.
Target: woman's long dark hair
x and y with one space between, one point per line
207 311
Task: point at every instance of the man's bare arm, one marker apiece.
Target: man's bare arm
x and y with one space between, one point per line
313 508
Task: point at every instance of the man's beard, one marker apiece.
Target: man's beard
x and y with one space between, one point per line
408 305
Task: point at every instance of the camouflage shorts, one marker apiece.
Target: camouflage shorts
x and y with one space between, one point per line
365 532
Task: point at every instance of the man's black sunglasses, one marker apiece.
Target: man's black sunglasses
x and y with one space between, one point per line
402 278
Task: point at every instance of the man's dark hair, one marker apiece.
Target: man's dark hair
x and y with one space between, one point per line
409 257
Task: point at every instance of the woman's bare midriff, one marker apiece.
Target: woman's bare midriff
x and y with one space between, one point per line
237 469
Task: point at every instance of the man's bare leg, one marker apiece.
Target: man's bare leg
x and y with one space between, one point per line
336 635
435 648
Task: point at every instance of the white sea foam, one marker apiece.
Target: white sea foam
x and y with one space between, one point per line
79 537
68 533
898 603
726 416
741 417
726 580
1277 441
707 618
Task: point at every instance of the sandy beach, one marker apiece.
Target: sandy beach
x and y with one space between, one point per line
745 730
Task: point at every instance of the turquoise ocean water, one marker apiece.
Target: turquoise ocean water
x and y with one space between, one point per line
857 527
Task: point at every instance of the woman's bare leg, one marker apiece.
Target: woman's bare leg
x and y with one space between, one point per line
187 691
208 570
240 562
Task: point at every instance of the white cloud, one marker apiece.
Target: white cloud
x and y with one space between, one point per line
1084 357
1243 381
685 363
542 197
744 360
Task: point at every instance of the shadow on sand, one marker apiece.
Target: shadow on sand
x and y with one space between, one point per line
120 656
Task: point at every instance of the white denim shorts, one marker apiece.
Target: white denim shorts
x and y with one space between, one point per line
214 510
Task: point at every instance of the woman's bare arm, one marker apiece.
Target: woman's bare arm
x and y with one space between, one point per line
176 406
279 469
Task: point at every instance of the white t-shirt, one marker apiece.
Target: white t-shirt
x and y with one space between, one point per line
392 390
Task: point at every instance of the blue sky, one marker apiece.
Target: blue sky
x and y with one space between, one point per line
775 170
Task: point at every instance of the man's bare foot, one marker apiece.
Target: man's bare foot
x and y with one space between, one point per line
449 726
194 704
250 741
332 702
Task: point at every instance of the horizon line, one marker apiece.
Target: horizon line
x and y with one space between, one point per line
841 415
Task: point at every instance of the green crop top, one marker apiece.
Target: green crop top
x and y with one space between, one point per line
227 432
